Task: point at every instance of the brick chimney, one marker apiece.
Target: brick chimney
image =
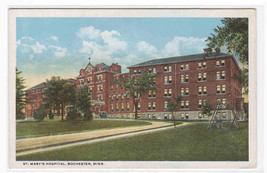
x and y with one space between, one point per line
207 51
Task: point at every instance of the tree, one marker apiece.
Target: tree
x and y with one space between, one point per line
39 114
137 86
206 109
84 102
234 35
58 94
20 95
242 78
172 107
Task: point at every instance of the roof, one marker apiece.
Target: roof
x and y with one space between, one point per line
71 80
41 85
177 59
105 67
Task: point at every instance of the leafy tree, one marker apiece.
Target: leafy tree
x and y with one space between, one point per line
172 107
20 95
234 35
206 109
242 78
84 102
58 94
137 86
73 115
39 114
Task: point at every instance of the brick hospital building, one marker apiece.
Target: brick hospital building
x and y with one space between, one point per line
197 78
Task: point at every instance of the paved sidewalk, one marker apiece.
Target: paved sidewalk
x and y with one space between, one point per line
55 140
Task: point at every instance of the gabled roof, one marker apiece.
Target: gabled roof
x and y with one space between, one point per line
41 85
178 59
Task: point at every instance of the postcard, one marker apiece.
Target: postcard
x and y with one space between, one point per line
132 88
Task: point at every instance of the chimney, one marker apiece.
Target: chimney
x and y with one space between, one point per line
207 51
218 51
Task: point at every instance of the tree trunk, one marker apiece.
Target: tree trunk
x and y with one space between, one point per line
173 118
135 113
62 111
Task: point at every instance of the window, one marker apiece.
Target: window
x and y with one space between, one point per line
165 105
154 105
154 70
187 66
122 107
205 90
135 72
128 107
154 93
218 89
199 65
199 104
204 64
170 79
149 106
165 92
150 93
89 80
182 104
112 98
139 71
200 115
111 87
182 78
117 107
128 96
217 63
224 101
187 116
122 97
139 106
222 62
165 69
187 91
117 87
204 76
170 68
218 75
182 91
199 77
111 107
223 74
154 80
223 89
150 70
182 67
187 78
117 98
187 104
200 90
165 79
182 116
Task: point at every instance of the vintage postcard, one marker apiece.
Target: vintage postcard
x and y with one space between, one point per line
132 88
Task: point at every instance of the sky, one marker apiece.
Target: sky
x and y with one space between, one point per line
49 47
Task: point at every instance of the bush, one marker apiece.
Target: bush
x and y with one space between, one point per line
88 116
103 115
73 115
51 115
39 114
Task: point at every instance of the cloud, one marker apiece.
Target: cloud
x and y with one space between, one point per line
27 38
59 51
38 48
146 48
88 33
183 46
54 38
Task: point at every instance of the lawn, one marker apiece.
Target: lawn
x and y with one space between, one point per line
189 143
52 127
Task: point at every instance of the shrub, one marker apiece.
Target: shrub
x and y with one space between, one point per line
51 115
73 115
103 115
39 114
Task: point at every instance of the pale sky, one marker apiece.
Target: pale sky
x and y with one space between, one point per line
61 46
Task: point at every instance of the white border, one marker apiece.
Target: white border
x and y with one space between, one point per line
258 54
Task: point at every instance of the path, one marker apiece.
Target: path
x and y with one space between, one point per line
46 143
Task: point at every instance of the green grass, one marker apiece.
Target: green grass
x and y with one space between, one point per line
189 143
48 127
